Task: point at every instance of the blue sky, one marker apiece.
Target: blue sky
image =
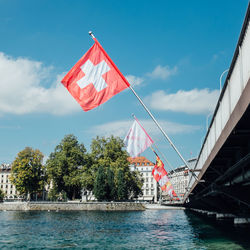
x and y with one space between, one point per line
172 52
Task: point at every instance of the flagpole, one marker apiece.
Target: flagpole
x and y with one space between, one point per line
163 132
158 125
168 163
153 143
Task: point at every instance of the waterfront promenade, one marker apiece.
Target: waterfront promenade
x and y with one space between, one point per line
71 206
83 206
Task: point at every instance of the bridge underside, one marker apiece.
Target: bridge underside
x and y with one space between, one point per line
225 185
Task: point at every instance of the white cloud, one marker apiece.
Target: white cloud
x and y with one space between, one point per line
162 72
22 91
120 128
134 80
194 101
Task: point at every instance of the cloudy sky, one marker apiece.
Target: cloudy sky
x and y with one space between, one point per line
172 53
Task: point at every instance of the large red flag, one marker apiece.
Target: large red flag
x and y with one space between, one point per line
94 79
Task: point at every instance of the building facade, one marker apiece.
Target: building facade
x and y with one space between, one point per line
179 177
145 167
6 186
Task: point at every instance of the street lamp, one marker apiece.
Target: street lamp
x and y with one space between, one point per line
222 76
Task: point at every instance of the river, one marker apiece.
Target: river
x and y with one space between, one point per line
150 229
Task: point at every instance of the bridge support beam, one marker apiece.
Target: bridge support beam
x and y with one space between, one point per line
241 221
223 217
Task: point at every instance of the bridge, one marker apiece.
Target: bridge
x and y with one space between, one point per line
222 186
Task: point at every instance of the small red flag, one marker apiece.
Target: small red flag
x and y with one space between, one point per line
161 176
159 171
94 79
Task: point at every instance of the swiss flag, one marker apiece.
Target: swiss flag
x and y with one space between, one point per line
94 79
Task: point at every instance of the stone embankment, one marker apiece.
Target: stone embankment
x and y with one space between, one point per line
71 206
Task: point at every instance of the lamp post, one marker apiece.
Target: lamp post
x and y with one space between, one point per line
222 76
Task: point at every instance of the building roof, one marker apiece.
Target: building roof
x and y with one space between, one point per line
5 167
143 161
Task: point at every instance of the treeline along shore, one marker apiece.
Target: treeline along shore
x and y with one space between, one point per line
71 206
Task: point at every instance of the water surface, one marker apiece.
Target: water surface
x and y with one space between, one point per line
150 229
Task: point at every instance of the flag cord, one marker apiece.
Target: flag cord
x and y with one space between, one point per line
163 132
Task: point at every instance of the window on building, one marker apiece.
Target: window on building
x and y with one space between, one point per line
147 179
1 186
152 185
11 186
146 185
6 186
146 192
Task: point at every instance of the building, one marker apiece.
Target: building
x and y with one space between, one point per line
6 186
145 167
179 177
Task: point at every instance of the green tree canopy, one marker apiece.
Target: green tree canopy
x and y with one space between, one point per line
100 185
1 195
110 154
68 166
27 172
122 193
111 188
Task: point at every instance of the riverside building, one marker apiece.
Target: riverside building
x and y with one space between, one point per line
6 186
145 167
179 178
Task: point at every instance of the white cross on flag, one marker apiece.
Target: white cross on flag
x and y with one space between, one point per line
94 79
137 140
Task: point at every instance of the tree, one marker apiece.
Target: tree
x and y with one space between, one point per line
122 193
66 166
27 171
1 195
111 188
110 154
100 186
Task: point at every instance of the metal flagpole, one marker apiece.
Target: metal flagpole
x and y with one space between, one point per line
168 163
170 166
163 132
158 150
158 125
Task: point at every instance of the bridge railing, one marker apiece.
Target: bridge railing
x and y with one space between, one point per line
235 83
